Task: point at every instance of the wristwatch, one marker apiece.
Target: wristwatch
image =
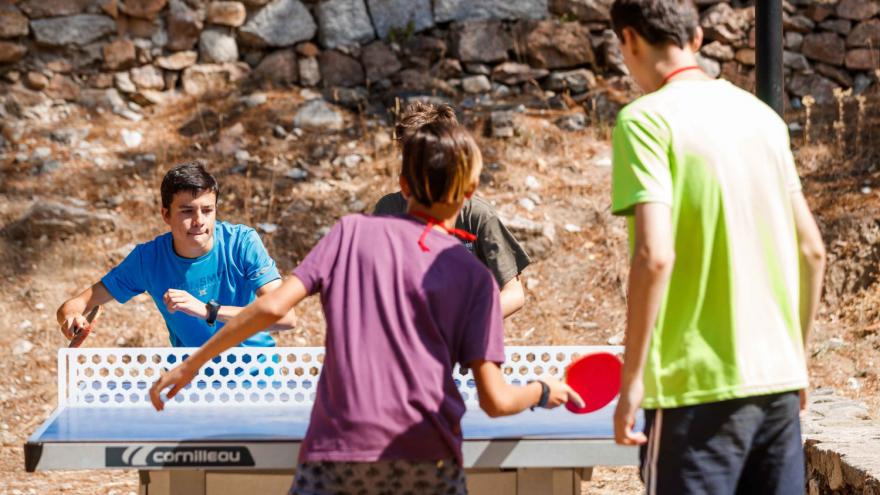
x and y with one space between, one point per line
545 395
213 308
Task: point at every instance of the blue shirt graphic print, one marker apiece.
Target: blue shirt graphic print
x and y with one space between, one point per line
230 273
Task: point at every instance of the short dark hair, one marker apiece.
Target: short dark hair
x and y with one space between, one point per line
658 21
189 176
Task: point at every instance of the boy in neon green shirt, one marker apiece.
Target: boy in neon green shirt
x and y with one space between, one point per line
726 269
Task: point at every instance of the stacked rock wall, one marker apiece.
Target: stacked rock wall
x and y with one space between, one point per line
148 49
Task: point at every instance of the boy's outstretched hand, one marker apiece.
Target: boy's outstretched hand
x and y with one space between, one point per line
178 378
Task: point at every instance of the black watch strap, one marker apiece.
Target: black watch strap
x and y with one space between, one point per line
213 310
545 395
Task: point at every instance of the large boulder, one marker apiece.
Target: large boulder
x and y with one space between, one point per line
422 51
722 23
224 13
795 61
11 52
184 25
281 23
177 60
62 87
401 16
611 54
718 51
119 54
217 47
60 220
865 34
147 77
309 71
512 73
839 26
575 81
344 22
583 10
277 68
858 10
318 115
338 69
862 59
213 79
559 45
476 84
37 9
379 61
12 22
836 74
824 47
463 10
820 88
144 9
77 30
481 42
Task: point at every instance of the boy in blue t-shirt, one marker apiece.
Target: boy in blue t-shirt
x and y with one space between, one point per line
200 274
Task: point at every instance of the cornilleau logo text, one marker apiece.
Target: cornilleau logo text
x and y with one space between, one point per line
178 456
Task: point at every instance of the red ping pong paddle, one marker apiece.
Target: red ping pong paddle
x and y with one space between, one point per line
596 378
82 333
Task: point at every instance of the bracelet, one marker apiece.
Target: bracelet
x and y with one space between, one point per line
545 395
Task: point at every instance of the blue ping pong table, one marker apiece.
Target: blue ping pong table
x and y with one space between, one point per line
237 428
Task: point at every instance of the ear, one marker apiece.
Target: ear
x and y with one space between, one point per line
166 215
697 42
630 38
404 186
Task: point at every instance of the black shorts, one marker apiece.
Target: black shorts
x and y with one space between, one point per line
741 446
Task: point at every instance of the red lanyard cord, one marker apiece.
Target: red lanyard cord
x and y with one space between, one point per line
431 222
677 72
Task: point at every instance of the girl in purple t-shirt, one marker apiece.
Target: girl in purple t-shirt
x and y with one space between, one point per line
404 302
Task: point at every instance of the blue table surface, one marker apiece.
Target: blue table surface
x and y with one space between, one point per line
288 423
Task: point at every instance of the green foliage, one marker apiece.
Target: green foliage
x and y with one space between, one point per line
402 35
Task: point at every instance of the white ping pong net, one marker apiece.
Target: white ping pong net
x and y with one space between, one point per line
246 376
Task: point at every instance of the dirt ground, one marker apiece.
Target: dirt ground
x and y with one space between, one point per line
575 285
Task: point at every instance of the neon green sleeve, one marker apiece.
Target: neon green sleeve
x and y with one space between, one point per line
641 163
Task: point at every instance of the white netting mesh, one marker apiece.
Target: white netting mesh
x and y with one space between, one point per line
251 376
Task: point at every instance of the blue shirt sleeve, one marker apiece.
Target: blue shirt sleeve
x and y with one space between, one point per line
259 267
126 279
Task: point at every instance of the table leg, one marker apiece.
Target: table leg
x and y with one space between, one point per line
547 482
171 483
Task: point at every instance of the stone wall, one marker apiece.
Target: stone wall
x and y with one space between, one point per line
149 50
842 446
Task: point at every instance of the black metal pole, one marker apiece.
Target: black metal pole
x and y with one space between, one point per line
768 56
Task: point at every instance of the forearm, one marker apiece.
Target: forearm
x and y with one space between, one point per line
95 295
263 312
246 322
812 270
511 399
287 322
499 398
512 297
647 285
